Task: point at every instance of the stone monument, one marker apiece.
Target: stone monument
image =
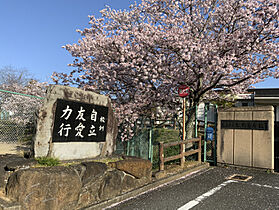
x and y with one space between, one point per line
75 124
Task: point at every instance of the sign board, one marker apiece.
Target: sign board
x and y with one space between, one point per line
79 122
183 90
209 133
245 124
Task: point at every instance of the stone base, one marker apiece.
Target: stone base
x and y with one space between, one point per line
76 150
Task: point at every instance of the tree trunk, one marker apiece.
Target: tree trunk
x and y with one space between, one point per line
190 125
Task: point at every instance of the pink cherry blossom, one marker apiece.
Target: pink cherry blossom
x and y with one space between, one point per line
140 56
22 108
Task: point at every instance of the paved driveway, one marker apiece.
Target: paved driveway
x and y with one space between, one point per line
213 189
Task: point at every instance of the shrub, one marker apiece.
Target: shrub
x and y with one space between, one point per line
165 135
48 161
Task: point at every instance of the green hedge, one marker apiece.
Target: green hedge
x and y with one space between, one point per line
165 135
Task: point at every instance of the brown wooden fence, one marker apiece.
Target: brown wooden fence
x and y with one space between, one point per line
182 153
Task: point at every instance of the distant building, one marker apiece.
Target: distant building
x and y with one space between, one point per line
260 97
210 112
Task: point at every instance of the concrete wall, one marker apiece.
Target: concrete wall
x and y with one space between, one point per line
43 145
254 148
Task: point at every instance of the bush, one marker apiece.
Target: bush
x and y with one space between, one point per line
165 135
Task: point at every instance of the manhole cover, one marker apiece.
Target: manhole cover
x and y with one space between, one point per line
240 177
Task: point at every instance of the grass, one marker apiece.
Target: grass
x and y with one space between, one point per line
48 161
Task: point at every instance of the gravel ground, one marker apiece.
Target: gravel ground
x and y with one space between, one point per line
12 148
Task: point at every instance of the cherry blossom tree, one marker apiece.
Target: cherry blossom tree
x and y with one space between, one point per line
23 105
10 76
140 56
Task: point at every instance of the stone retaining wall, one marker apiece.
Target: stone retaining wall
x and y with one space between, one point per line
75 186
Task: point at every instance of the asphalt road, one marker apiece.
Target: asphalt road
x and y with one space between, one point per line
211 189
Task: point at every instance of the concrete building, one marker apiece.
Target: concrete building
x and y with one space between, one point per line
248 134
260 97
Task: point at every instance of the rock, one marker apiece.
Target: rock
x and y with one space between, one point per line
93 171
79 169
111 185
112 165
11 162
3 178
138 168
160 175
10 157
130 182
90 193
76 186
6 205
129 157
92 182
20 164
45 188
43 141
106 186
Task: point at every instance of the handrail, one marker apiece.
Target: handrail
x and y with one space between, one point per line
182 153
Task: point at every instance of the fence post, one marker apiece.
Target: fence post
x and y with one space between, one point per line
196 121
199 155
184 120
205 126
161 156
150 152
128 148
215 139
182 159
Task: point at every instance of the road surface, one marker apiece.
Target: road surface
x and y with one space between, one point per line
212 189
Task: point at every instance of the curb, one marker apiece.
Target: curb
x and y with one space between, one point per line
146 188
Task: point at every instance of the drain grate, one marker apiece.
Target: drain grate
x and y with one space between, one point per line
240 177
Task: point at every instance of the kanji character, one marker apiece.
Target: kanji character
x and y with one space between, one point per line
79 129
80 114
102 119
101 128
67 112
92 131
94 115
67 128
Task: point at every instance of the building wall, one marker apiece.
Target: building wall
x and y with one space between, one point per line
246 147
210 112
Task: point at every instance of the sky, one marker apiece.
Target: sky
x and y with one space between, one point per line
34 31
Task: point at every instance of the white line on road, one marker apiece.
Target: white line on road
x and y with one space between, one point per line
192 174
266 186
196 201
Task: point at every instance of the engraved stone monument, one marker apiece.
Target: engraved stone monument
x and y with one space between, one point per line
75 124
